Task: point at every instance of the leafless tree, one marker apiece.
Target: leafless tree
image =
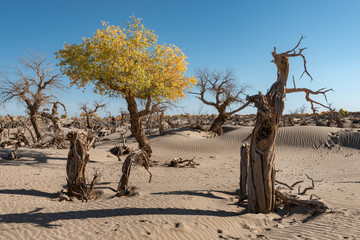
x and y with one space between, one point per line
226 91
261 174
59 137
90 112
30 83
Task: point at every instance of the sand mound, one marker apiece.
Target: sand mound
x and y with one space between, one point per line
347 138
183 203
303 136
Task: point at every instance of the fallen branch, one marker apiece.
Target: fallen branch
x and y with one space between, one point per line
286 185
296 183
305 190
313 204
179 163
312 180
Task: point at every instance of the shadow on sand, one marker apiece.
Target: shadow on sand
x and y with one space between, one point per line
46 219
27 157
29 192
201 193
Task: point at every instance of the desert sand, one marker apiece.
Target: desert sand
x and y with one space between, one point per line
185 203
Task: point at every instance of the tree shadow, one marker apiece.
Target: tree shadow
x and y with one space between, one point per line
29 192
200 193
27 157
46 219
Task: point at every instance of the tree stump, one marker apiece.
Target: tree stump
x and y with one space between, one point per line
78 157
244 166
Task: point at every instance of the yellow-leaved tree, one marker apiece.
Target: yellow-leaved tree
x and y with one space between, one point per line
128 62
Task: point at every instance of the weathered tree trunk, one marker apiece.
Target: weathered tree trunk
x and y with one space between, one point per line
59 133
2 130
261 184
244 167
139 157
35 123
78 157
161 124
88 124
218 122
136 127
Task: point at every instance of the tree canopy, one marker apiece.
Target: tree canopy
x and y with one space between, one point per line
127 61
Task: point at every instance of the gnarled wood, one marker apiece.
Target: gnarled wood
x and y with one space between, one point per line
261 183
78 157
59 138
139 157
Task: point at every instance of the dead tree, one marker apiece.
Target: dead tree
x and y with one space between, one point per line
120 150
78 157
171 124
124 118
161 122
30 89
2 131
309 92
261 174
138 157
59 137
223 86
180 163
25 125
89 113
244 167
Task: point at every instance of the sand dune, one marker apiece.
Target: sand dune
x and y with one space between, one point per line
185 203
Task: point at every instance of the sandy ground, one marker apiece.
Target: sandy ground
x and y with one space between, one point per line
185 203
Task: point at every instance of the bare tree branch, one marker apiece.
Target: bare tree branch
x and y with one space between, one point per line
226 92
31 88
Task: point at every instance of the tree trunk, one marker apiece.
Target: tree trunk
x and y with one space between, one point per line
218 122
88 120
59 133
139 157
2 130
35 123
136 127
78 157
161 124
244 167
261 184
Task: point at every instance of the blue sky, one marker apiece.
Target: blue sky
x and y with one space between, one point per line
238 35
